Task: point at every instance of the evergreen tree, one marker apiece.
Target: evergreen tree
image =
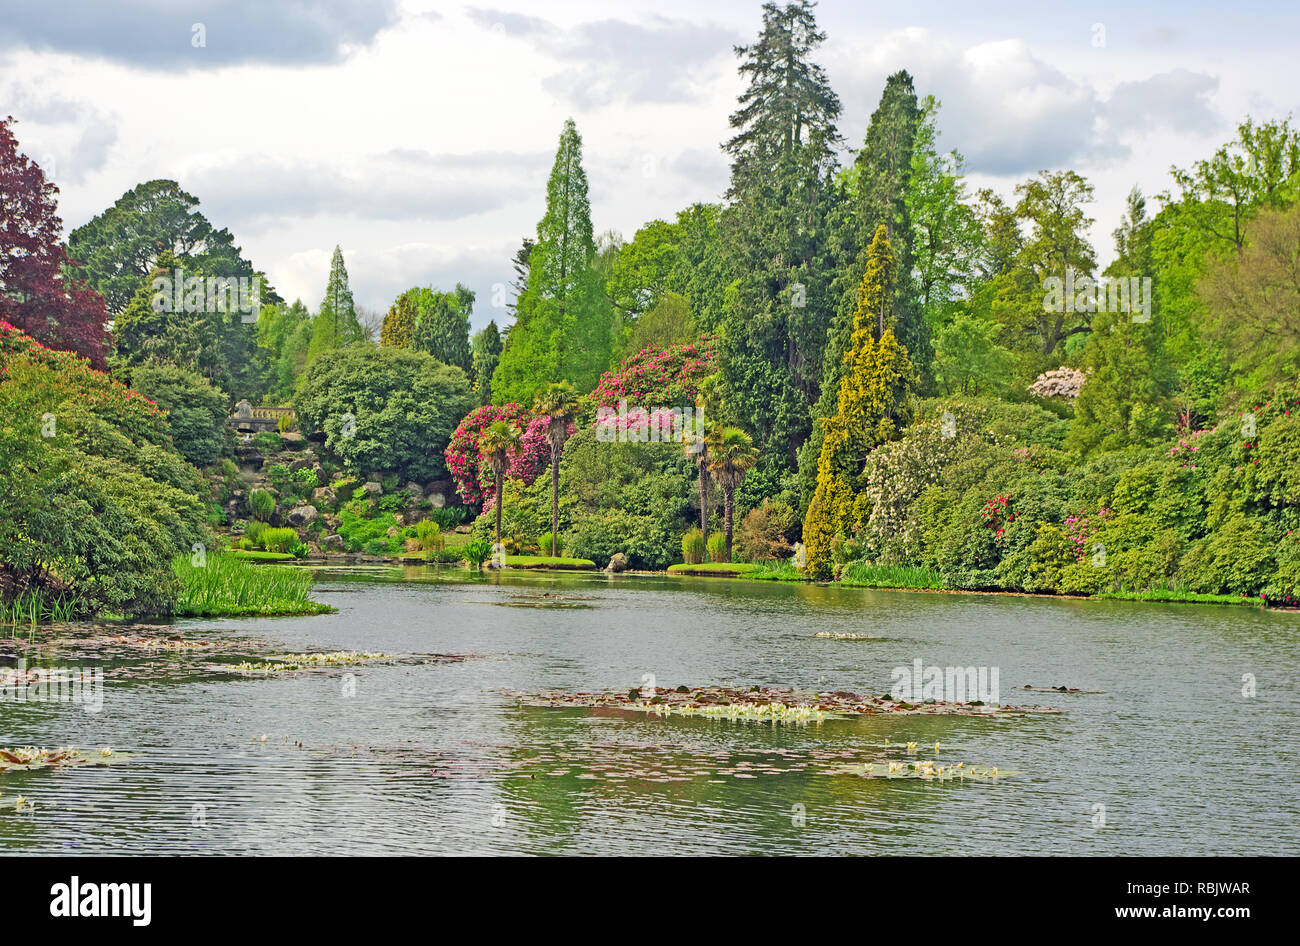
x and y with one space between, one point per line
563 320
336 324
870 408
775 316
486 354
398 329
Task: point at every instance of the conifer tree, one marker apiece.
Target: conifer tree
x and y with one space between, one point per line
336 325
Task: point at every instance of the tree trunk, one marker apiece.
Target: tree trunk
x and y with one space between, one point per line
555 499
704 503
500 484
728 499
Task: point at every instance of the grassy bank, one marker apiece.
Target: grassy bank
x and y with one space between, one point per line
225 586
869 575
715 569
548 561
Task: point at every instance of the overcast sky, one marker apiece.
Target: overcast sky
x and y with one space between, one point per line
418 135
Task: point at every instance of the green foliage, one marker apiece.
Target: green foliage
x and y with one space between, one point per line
261 504
279 540
767 533
268 442
336 325
223 586
196 411
477 552
384 409
360 533
429 535
693 547
717 547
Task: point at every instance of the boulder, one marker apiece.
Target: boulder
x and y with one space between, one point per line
323 494
373 489
412 544
301 516
618 563
416 490
392 532
332 543
302 463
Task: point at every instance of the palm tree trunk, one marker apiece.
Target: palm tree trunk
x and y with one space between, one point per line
500 483
555 500
728 499
704 502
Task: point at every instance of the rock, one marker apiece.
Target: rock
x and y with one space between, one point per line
332 521
302 463
399 519
323 494
438 499
416 490
412 544
292 438
618 563
392 532
302 516
333 543
373 489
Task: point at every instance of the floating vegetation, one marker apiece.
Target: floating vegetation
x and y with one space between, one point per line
1057 689
29 758
927 770
766 704
546 599
308 661
846 637
289 663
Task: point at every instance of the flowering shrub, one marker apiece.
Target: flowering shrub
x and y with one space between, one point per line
998 515
1059 382
1081 528
659 376
473 477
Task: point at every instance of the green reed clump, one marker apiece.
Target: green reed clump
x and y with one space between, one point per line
37 606
873 575
225 586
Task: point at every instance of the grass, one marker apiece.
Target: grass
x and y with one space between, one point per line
1176 594
36 607
715 569
777 571
227 587
547 561
259 556
455 540
870 575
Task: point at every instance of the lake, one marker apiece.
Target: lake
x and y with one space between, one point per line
428 756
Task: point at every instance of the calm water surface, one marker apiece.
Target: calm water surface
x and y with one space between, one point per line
439 758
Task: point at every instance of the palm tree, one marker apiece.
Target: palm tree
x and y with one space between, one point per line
731 456
496 446
560 403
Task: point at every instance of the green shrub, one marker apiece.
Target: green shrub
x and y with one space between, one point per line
448 517
223 585
544 544
254 531
477 552
376 547
767 532
279 476
717 546
299 549
267 442
358 531
279 540
196 410
429 536
693 547
304 481
261 504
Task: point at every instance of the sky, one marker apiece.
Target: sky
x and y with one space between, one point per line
418 135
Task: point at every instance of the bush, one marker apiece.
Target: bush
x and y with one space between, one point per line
261 504
717 547
267 442
766 533
544 544
304 481
477 552
279 476
358 532
648 542
376 547
254 531
279 540
448 517
429 536
386 409
196 411
693 547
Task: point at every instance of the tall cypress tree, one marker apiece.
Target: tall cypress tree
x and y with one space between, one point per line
563 320
336 325
775 320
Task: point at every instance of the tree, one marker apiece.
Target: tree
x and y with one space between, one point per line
336 325
871 407
284 334
498 443
486 352
559 403
731 455
563 321
442 324
968 360
398 329
383 409
38 294
1125 399
774 233
196 410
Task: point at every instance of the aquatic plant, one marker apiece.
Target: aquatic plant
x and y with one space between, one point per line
224 586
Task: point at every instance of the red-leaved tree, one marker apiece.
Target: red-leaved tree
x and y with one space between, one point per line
36 293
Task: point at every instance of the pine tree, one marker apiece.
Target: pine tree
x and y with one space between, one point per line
398 328
486 354
336 324
870 408
563 320
775 234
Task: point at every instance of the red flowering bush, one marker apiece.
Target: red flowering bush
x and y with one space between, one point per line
997 515
658 377
473 477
